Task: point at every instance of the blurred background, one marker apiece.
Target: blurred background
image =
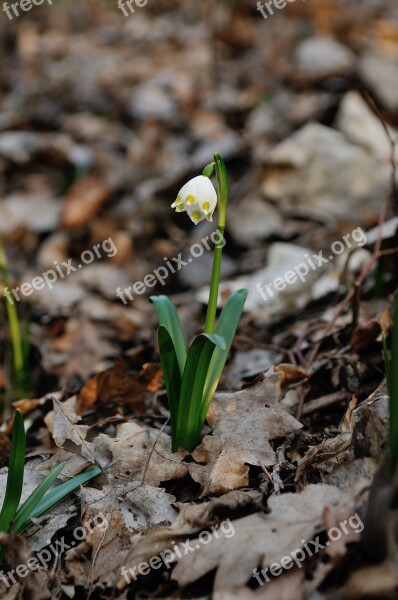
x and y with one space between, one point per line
103 117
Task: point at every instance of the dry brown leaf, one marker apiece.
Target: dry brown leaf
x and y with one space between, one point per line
351 457
262 539
78 350
291 374
66 433
243 424
137 456
373 583
364 334
347 422
127 507
119 385
288 587
325 456
26 406
83 201
4 449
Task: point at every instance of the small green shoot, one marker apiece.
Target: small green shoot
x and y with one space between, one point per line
19 338
391 368
40 500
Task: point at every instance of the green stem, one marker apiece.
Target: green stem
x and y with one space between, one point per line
222 196
215 279
15 329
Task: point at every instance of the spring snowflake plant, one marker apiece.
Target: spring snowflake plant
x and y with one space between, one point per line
191 375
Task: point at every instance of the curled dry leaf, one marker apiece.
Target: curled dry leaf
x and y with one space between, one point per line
66 433
291 374
243 424
352 455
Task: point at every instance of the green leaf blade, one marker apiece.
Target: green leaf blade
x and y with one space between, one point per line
226 327
22 517
168 318
194 377
172 377
56 496
15 473
392 381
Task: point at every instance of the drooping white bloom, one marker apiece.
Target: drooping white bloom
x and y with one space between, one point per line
198 198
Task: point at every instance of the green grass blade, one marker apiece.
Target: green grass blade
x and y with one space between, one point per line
56 496
13 321
168 318
194 377
226 327
22 517
15 473
172 377
392 377
387 361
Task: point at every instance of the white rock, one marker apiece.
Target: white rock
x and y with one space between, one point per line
36 212
318 168
253 220
323 57
362 127
150 101
381 75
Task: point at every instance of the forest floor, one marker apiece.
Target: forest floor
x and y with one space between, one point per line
103 117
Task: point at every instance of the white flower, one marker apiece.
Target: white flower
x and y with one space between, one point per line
198 198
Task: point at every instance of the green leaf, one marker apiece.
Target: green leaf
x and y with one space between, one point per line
22 517
392 375
62 491
172 377
168 318
387 361
226 327
194 377
15 473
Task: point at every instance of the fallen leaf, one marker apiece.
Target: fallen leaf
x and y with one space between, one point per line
127 383
262 539
83 201
243 424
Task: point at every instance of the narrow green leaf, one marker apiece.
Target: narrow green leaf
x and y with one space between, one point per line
62 491
15 473
226 327
172 377
393 388
168 318
194 377
387 361
22 517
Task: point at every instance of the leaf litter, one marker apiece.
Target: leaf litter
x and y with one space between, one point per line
101 120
